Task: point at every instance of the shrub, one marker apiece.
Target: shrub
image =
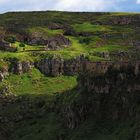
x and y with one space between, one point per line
10 39
22 45
85 40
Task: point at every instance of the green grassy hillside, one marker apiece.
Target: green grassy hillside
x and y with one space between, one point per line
35 105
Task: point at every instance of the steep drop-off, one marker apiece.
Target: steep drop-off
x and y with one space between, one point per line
105 105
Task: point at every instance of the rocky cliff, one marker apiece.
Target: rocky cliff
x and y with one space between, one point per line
55 66
107 92
55 42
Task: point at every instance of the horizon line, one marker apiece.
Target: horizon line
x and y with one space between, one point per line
72 11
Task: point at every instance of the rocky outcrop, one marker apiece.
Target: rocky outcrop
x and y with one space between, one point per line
103 66
105 55
116 88
3 73
120 71
123 20
21 67
106 91
5 46
57 66
55 42
51 66
111 94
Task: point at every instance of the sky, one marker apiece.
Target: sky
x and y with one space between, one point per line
71 5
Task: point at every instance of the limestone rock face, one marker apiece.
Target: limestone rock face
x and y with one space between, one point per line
52 67
74 66
58 66
52 43
3 73
112 95
120 83
58 41
21 67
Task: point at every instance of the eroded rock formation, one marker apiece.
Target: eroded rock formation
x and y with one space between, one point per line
55 42
18 67
5 46
109 94
57 66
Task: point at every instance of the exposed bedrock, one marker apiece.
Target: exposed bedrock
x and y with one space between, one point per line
55 42
18 67
112 95
3 73
57 66
123 20
5 46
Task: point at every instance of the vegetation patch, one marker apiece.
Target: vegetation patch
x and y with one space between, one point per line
35 83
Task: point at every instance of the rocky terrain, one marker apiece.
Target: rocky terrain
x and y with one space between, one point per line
69 76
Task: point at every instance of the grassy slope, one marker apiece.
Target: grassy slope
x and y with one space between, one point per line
45 32
50 126
88 27
72 51
36 83
81 22
40 129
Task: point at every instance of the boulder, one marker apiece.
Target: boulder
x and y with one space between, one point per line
5 46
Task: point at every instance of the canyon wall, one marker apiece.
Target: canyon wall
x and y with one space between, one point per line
108 92
55 66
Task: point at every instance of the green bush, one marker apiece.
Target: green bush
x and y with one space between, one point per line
85 40
10 39
22 45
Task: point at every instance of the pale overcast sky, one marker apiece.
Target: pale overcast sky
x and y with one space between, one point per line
70 5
